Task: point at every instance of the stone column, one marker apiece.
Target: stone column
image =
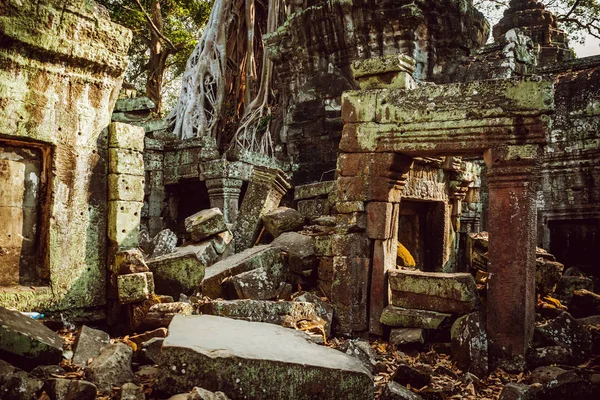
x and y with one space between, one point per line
512 229
267 187
224 182
368 192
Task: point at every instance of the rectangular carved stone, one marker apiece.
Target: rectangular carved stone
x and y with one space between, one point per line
361 188
411 318
124 222
389 165
126 187
379 220
349 291
125 136
442 292
358 106
122 161
384 258
314 207
350 245
135 288
312 190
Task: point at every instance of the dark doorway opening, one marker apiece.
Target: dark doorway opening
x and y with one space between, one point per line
574 243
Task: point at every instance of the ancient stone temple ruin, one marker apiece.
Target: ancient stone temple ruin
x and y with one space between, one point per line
425 189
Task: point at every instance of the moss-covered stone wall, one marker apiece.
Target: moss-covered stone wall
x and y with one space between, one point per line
61 66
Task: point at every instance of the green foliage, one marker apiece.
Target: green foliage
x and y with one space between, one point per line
182 22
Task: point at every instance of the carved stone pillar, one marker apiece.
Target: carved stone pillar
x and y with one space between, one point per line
512 228
224 182
267 187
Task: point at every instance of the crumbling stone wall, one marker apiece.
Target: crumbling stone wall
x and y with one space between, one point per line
62 63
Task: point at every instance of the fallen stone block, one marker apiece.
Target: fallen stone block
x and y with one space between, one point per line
160 315
395 391
567 332
300 251
442 292
223 243
131 391
312 190
584 303
70 389
88 345
151 349
183 270
134 288
517 391
470 344
205 223
247 260
361 350
324 309
549 355
314 207
282 219
16 384
407 375
411 318
27 342
545 374
112 368
44 372
163 243
259 284
144 337
569 284
547 275
193 355
130 262
272 312
203 394
402 336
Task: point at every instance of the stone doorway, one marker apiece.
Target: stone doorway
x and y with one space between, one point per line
506 121
21 191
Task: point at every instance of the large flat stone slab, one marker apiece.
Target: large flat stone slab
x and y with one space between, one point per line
411 318
272 312
256 360
26 342
435 291
247 260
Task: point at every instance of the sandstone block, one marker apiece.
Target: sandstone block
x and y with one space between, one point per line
379 220
203 394
565 331
125 136
131 391
112 368
130 261
402 336
88 344
358 106
125 187
350 245
470 344
247 260
285 358
547 275
312 190
282 219
314 207
352 222
123 161
300 251
260 284
348 207
163 243
325 269
323 308
205 223
411 318
323 247
407 375
442 292
349 292
70 389
223 242
134 104
124 222
134 288
16 384
27 340
395 391
183 270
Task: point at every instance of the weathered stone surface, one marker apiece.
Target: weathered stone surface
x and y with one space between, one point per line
223 242
300 251
455 293
349 292
547 275
44 372
314 208
194 356
402 336
324 308
17 384
123 161
183 270
152 348
312 190
131 391
88 344
163 243
124 222
567 332
111 368
282 219
125 187
517 391
256 257
412 318
134 104
28 342
549 355
407 375
361 350
144 337
272 312
203 394
259 284
205 223
470 344
130 262
125 136
585 303
70 389
160 315
545 374
134 288
395 391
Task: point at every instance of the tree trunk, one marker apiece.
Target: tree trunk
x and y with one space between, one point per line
158 59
